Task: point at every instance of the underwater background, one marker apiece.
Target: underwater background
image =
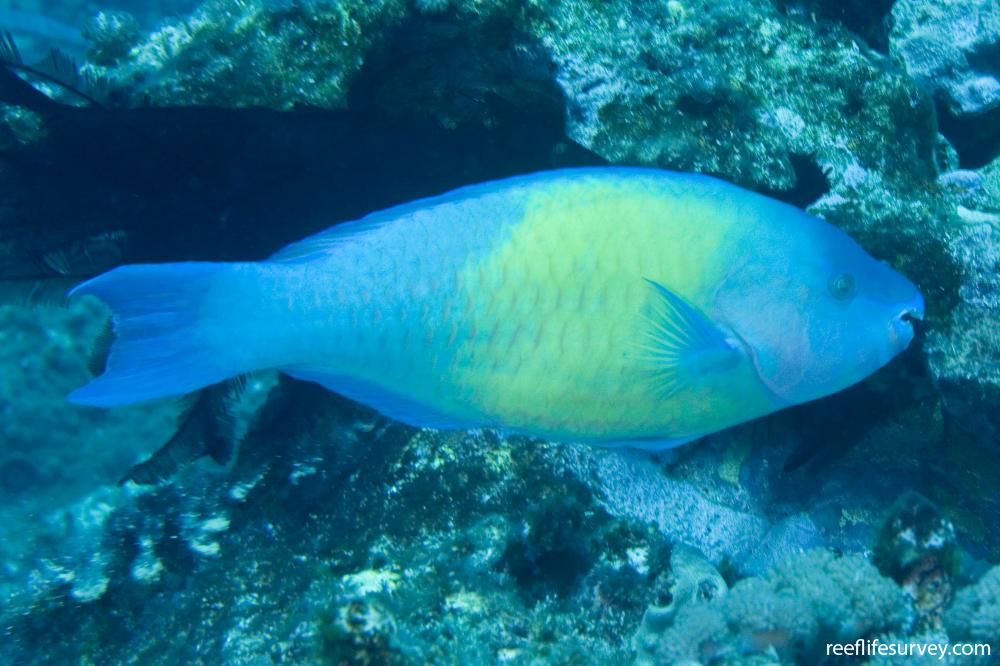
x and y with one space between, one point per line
285 524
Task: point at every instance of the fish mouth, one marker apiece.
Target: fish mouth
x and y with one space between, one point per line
901 327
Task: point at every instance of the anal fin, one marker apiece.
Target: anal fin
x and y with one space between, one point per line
649 443
389 403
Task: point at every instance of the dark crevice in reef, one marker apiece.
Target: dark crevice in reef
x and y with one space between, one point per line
871 20
210 183
556 551
975 138
829 430
810 183
436 70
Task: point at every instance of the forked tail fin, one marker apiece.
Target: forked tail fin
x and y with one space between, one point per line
170 336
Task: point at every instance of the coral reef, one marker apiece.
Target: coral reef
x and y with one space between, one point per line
951 48
729 88
57 451
345 537
112 35
338 537
692 579
975 615
964 360
794 610
250 53
918 548
19 126
867 19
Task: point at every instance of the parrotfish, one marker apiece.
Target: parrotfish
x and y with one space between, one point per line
618 306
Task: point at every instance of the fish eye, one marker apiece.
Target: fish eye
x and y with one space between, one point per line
842 286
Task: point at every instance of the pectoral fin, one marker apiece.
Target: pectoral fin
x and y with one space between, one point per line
683 345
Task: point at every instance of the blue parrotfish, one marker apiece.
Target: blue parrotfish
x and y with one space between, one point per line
618 306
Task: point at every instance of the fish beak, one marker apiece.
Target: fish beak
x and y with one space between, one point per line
901 326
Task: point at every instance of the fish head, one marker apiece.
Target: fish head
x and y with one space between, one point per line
815 310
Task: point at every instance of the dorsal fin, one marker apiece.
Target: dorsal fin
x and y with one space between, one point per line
320 243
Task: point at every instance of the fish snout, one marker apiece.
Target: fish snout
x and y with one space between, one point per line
901 326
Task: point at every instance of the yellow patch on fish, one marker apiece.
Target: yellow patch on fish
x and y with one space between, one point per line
567 294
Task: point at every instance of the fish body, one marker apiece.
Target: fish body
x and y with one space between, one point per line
609 305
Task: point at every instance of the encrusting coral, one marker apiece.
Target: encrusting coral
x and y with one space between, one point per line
803 603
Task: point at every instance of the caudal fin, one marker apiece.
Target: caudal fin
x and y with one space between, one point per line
167 339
